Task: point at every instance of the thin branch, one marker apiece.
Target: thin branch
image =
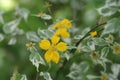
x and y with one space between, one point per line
96 26
73 50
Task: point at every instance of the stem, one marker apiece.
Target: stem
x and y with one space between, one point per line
80 40
37 76
73 50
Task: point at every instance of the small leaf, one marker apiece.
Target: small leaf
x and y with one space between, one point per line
46 75
15 75
71 47
86 49
91 77
45 33
75 75
115 69
77 37
85 31
77 71
107 11
12 41
32 36
91 44
104 52
36 59
23 77
11 26
19 31
43 16
102 63
1 37
66 55
46 17
22 12
112 26
111 3
112 77
99 41
110 7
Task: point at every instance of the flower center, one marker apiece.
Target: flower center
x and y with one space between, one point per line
52 48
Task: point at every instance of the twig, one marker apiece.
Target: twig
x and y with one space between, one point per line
73 50
96 26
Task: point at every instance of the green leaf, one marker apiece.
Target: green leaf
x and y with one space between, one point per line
1 37
77 71
46 75
16 76
112 26
22 12
107 11
43 16
71 47
23 77
110 7
92 77
19 31
66 55
104 51
46 17
36 59
45 33
86 49
12 41
99 41
115 69
91 44
32 36
11 26
111 3
85 31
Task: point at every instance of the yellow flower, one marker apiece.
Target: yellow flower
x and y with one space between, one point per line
95 55
57 25
41 14
30 45
65 23
93 34
116 49
48 5
104 77
111 38
52 48
62 32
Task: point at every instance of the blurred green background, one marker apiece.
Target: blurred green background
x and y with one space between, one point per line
83 13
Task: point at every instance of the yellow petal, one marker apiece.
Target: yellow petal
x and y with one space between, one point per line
48 56
66 23
44 44
61 46
55 57
93 34
57 25
63 32
55 39
57 32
